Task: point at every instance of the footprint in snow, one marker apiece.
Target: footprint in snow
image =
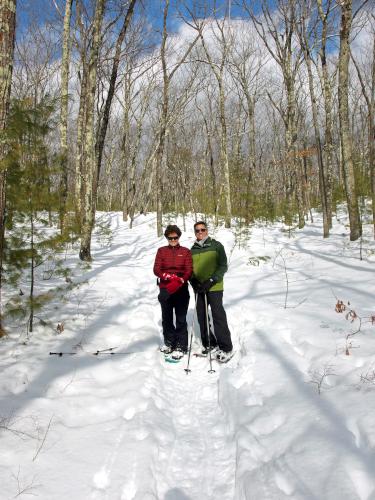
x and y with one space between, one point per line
101 479
283 483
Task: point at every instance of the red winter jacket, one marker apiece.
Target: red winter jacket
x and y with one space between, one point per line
173 260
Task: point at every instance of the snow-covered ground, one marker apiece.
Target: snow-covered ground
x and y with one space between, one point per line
291 416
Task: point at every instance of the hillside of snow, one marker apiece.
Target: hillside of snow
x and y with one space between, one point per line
291 416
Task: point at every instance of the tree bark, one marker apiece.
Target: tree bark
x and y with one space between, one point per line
89 160
111 92
64 111
218 72
371 134
304 38
345 136
327 94
7 38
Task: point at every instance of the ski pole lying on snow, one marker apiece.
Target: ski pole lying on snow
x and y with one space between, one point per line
62 353
96 353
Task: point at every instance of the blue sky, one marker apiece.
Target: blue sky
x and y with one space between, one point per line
42 10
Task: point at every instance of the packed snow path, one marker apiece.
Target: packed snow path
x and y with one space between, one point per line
287 418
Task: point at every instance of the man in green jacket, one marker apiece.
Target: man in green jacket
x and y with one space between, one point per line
209 266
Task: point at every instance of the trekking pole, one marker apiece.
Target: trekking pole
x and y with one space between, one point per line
187 369
211 370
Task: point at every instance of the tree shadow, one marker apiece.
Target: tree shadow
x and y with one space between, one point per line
176 494
337 433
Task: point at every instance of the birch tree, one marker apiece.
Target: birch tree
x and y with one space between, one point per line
64 96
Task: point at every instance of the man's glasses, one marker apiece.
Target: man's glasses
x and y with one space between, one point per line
172 238
201 230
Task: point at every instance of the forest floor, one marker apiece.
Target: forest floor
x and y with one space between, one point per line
291 416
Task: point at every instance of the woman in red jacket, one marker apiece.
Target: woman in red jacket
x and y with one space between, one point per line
173 266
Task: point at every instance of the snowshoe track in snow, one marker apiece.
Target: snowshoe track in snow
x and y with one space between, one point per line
180 420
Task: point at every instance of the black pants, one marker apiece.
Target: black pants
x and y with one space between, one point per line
175 336
222 334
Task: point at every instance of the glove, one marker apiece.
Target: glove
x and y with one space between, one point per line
174 285
166 276
195 284
206 285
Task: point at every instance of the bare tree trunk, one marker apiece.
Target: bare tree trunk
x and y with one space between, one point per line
218 72
89 160
7 31
81 121
327 93
164 116
64 111
163 126
111 92
370 101
224 157
346 139
252 154
371 134
289 60
322 181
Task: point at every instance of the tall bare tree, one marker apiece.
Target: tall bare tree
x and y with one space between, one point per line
368 92
103 126
277 30
165 112
305 33
218 68
89 163
327 80
65 63
7 37
345 135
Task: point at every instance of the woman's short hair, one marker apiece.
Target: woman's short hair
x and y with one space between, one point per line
172 228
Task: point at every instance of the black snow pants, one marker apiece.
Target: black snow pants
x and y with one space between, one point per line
178 302
222 337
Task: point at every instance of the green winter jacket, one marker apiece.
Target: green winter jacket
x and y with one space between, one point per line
209 260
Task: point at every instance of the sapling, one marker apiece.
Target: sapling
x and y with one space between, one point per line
318 377
352 317
368 377
24 488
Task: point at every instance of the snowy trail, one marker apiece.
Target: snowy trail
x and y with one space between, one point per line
180 419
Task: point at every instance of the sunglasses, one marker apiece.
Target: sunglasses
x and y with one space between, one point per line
201 230
172 238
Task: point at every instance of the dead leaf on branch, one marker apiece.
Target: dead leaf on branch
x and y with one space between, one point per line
340 306
351 316
60 327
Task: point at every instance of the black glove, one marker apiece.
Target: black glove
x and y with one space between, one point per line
206 285
195 284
